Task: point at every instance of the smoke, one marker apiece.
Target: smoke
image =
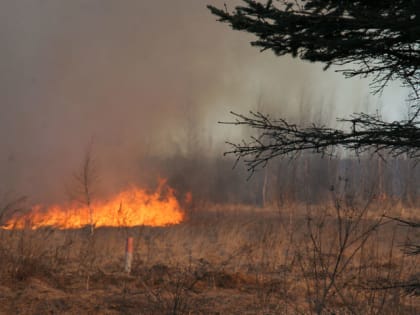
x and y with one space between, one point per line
133 78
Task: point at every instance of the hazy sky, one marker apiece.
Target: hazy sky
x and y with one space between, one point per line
135 77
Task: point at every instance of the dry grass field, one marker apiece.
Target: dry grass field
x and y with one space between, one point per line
220 260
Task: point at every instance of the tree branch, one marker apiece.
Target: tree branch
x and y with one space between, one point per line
281 138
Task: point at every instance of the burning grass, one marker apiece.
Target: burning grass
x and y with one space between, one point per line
132 207
220 260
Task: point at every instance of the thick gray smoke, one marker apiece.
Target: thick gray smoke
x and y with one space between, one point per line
134 78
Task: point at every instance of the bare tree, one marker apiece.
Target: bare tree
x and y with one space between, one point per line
85 180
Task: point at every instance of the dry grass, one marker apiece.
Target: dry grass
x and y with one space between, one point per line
222 260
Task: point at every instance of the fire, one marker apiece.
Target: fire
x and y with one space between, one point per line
132 207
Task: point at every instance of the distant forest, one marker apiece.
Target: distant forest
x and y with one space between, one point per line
309 179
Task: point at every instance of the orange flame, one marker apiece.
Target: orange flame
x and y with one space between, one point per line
132 207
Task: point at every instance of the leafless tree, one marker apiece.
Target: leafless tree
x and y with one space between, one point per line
85 180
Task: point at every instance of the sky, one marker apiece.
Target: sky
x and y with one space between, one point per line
133 78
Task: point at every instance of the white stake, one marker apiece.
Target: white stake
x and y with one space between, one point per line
128 254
